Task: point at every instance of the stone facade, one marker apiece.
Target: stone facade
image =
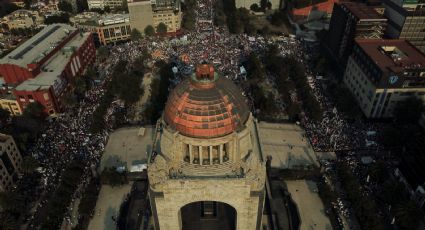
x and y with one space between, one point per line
238 181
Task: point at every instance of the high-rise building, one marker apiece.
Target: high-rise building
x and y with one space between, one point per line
380 73
10 161
351 20
209 170
43 68
153 12
406 20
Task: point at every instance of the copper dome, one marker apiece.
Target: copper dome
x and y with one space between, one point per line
206 105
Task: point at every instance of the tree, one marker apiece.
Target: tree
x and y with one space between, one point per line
59 18
65 6
112 177
4 116
263 4
408 214
7 8
82 5
188 21
35 110
107 9
135 35
161 28
12 202
408 111
7 221
28 4
219 18
103 52
254 7
149 30
29 164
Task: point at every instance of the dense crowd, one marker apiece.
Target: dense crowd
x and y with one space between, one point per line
67 137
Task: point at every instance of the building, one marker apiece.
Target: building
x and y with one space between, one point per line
101 4
406 20
43 68
108 29
10 161
144 13
209 170
22 19
301 11
381 73
351 20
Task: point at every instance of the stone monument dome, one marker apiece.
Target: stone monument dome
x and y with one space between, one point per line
206 105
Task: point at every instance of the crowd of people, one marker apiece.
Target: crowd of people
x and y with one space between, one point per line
67 137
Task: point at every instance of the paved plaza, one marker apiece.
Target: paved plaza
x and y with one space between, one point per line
126 147
310 206
287 145
108 206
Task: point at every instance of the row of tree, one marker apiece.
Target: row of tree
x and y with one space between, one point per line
189 15
149 31
364 206
58 202
292 83
16 202
159 92
263 102
124 85
88 204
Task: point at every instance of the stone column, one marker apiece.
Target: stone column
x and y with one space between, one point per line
220 150
190 154
200 155
210 154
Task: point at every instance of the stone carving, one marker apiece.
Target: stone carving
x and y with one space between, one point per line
254 172
158 172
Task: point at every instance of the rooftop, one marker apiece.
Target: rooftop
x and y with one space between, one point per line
53 68
98 20
38 46
206 105
395 55
362 11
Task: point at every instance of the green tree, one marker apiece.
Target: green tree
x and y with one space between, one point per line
189 20
12 202
263 4
80 86
254 7
408 111
29 164
112 177
82 5
27 4
149 30
35 110
7 221
135 34
107 9
59 18
219 18
4 115
103 52
408 214
65 6
161 28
